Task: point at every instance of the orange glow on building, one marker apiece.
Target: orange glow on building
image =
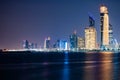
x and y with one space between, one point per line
104 19
90 38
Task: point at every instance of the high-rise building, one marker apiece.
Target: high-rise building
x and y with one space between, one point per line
26 44
110 34
73 41
104 24
81 43
111 39
47 43
90 35
32 46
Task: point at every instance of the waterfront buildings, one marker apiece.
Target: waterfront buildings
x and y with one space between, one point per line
108 42
104 24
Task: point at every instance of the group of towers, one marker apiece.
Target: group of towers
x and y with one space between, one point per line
28 45
89 41
59 44
107 41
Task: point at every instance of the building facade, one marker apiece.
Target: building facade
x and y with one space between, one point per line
81 43
90 38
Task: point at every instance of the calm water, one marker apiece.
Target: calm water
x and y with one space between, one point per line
59 66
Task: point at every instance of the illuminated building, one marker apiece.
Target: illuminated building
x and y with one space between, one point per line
90 38
73 41
104 24
81 43
47 43
61 45
90 35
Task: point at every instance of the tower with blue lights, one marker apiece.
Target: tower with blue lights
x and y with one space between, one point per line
73 41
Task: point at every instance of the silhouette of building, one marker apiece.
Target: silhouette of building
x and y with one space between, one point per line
47 44
26 44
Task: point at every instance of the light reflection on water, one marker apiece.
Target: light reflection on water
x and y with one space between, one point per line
66 68
74 67
103 70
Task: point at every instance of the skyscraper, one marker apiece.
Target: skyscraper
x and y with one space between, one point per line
47 43
104 24
90 35
73 41
26 44
110 35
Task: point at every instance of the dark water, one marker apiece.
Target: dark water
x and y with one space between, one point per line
59 66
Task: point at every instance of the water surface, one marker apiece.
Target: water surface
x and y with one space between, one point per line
59 66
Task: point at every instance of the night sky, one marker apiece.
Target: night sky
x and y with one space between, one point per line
34 20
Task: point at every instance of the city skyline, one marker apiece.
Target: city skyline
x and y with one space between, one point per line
36 20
